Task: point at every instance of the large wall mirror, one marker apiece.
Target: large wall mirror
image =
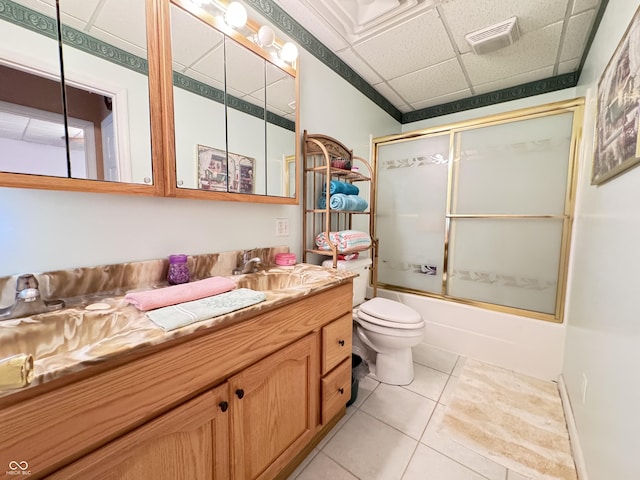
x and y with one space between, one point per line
74 96
86 89
234 114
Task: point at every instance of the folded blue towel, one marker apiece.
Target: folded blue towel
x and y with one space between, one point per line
342 187
340 201
176 316
322 202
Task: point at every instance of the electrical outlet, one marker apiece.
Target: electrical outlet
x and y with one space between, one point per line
282 227
584 389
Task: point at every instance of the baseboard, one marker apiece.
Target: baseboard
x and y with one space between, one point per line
576 449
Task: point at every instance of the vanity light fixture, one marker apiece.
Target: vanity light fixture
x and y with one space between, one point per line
236 15
289 52
266 36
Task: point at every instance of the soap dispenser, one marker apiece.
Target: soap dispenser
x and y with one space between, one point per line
178 269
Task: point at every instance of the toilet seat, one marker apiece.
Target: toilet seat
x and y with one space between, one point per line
392 332
387 323
383 310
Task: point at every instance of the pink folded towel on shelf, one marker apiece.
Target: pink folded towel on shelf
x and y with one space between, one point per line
186 292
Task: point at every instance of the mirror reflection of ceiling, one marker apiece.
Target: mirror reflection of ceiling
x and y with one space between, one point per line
413 56
117 22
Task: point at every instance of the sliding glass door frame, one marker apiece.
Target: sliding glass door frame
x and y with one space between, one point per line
576 106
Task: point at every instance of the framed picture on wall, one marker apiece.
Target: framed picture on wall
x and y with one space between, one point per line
616 145
241 173
212 169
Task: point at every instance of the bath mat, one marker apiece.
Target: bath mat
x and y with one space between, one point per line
515 420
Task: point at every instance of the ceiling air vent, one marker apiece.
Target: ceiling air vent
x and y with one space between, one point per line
494 37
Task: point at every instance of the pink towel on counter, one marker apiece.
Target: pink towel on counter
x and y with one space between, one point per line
185 292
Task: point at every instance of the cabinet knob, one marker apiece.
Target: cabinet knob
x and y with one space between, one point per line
224 406
240 393
341 390
341 342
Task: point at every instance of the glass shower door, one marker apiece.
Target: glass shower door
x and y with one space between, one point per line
411 203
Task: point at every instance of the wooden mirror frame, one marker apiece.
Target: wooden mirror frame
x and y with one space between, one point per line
25 180
165 99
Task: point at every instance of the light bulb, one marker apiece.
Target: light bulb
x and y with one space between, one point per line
266 36
236 15
289 52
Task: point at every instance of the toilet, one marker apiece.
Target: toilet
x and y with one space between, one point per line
385 328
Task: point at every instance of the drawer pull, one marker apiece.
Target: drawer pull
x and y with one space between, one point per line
224 406
341 342
240 393
341 390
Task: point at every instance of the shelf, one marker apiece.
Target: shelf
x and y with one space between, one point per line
350 212
339 172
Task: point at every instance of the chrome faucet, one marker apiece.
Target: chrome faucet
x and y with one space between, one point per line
28 300
247 265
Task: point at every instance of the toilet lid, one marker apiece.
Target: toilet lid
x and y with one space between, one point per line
390 311
386 323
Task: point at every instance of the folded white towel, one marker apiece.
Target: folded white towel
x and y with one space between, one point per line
176 316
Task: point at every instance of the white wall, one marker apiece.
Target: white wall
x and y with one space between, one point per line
603 323
44 230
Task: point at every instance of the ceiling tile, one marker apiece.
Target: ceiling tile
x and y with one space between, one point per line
416 44
352 59
582 5
80 9
576 35
280 95
122 19
568 66
464 16
191 38
533 51
47 7
514 80
451 97
441 79
240 61
389 93
305 14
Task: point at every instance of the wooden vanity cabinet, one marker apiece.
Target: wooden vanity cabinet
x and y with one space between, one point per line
273 410
178 412
190 441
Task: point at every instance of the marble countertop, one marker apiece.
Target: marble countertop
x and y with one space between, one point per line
75 338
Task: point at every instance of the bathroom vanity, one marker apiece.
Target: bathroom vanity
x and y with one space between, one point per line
246 399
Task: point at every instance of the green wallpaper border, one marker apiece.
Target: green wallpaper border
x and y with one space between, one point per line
44 25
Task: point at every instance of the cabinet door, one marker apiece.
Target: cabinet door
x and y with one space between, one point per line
274 410
190 441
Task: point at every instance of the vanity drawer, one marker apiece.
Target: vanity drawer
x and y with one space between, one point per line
336 390
336 342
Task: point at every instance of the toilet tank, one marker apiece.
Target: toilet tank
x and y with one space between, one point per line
361 266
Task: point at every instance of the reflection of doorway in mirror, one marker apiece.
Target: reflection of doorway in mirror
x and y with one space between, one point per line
33 142
241 173
212 169
290 176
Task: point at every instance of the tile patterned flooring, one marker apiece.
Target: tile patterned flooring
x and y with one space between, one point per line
389 432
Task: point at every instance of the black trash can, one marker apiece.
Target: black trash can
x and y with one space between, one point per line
355 363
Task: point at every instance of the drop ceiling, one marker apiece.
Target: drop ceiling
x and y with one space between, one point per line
414 55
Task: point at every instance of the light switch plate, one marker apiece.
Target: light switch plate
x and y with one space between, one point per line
282 227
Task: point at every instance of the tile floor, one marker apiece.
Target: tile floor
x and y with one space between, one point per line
389 433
